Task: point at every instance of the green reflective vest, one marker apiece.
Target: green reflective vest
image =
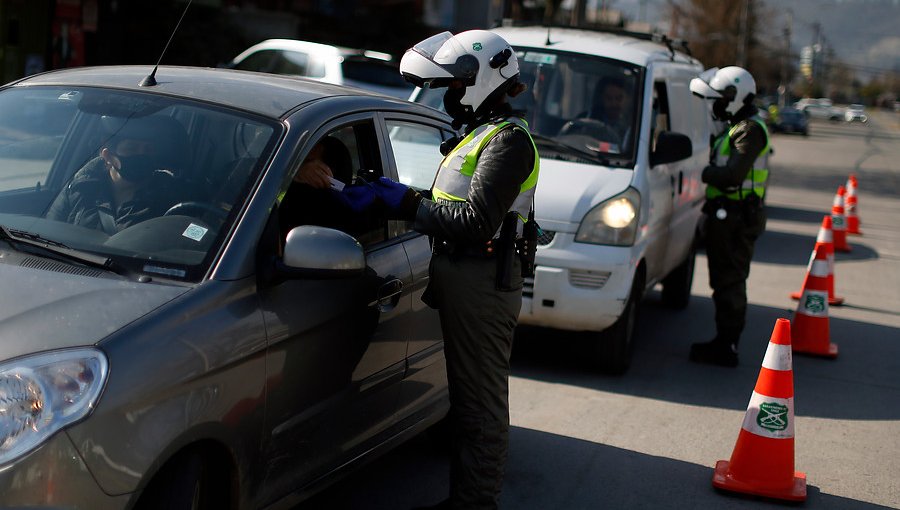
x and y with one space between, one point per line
756 178
454 177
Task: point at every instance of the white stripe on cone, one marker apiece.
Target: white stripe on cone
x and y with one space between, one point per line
770 417
778 357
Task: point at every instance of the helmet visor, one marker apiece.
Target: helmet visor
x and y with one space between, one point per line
448 54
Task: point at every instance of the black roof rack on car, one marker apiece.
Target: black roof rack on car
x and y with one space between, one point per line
673 45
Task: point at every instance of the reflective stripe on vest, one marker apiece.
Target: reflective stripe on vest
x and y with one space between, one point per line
756 178
454 176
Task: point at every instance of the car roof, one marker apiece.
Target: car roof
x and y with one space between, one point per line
265 94
617 45
311 47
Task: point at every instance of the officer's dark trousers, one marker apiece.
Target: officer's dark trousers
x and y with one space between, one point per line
477 321
729 249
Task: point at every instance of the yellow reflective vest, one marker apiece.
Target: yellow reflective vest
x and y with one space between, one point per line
756 178
454 177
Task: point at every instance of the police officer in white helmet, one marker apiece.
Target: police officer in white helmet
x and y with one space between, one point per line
735 216
480 217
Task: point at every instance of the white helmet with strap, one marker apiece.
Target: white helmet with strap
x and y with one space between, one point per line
735 85
483 61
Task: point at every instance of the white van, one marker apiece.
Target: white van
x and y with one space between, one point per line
619 195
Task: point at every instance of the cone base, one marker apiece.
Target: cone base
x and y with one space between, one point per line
857 233
832 351
832 301
722 480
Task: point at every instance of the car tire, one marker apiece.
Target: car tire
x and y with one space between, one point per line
676 286
614 345
187 482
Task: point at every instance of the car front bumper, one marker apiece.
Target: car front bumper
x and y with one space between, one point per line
54 477
577 286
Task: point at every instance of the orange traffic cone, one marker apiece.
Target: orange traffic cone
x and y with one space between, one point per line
762 462
824 241
839 221
850 206
811 326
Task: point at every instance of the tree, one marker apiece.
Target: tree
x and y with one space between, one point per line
729 33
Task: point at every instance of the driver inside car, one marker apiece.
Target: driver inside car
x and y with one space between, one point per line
132 178
608 119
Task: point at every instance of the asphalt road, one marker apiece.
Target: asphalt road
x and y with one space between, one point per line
650 439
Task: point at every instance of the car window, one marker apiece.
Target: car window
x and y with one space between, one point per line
32 128
585 106
351 153
151 182
416 149
291 62
659 117
260 61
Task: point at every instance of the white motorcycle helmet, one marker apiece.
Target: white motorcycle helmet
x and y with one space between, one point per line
482 60
733 84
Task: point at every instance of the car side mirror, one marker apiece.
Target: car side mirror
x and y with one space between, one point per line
670 147
321 253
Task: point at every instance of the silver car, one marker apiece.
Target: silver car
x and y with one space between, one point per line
175 330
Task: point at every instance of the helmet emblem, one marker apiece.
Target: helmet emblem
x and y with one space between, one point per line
476 46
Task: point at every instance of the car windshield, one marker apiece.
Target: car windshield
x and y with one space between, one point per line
578 107
148 182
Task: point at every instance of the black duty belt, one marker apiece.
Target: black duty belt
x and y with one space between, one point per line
485 250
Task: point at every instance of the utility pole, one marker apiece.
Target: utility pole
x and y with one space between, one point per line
743 35
785 89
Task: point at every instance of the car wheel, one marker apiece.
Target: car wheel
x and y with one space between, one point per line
614 345
676 291
187 482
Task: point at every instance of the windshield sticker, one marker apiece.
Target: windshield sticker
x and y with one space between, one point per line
195 232
168 271
540 58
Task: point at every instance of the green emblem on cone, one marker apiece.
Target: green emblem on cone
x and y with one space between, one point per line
772 416
814 303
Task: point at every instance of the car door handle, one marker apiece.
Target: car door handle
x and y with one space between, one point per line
388 294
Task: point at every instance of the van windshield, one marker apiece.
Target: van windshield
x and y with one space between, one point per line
578 107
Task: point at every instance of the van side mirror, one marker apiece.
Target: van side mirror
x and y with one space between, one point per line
670 147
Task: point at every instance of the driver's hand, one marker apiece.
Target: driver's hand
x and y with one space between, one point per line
314 173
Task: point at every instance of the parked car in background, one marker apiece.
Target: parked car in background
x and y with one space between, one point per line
856 113
210 356
618 199
791 120
821 108
370 70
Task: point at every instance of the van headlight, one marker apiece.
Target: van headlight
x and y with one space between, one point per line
613 222
43 393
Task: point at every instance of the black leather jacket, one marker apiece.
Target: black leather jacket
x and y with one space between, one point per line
748 140
504 164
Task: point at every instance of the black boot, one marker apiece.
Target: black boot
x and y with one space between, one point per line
715 352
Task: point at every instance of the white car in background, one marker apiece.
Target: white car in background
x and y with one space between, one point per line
619 204
364 69
856 113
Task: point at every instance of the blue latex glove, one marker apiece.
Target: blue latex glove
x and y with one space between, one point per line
390 192
357 198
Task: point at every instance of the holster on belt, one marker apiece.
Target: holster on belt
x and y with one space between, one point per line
505 251
527 245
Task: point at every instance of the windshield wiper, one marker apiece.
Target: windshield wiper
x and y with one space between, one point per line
554 144
59 249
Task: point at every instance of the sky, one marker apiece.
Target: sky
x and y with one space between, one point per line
862 33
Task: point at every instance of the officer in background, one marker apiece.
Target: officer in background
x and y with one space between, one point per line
480 219
734 209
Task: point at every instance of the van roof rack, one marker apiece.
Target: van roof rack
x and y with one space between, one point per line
673 45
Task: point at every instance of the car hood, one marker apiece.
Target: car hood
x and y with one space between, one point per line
42 310
567 191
